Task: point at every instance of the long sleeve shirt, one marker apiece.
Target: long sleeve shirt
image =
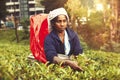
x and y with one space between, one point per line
53 45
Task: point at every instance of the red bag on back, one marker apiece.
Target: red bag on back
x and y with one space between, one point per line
38 32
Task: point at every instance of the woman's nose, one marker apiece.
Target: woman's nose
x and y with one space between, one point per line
62 23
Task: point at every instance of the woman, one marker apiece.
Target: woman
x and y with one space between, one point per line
62 42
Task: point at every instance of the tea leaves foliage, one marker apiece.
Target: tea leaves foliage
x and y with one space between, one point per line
97 65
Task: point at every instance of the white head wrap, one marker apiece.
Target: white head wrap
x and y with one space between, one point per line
54 13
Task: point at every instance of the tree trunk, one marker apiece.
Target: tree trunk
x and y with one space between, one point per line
73 23
0 24
16 31
114 26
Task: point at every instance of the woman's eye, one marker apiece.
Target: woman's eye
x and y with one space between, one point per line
64 20
59 21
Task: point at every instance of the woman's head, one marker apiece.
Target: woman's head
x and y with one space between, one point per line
59 23
58 18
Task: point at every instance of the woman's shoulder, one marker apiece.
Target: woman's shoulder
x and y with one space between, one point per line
71 32
51 35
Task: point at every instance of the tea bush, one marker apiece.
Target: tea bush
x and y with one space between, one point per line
97 65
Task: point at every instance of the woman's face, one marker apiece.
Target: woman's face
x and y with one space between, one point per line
61 23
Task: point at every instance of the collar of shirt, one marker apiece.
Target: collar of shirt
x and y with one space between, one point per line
70 32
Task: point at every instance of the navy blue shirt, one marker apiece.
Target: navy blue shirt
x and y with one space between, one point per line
53 44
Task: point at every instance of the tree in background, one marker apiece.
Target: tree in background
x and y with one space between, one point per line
78 9
111 18
52 4
25 23
74 10
2 10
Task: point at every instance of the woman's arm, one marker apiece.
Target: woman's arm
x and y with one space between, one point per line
72 64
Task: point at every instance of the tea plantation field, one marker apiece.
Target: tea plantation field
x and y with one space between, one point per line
14 64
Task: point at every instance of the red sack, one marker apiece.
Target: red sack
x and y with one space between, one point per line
38 32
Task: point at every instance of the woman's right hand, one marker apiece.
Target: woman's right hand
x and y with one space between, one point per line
68 62
73 65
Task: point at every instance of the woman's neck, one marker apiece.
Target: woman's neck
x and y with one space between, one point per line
61 36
